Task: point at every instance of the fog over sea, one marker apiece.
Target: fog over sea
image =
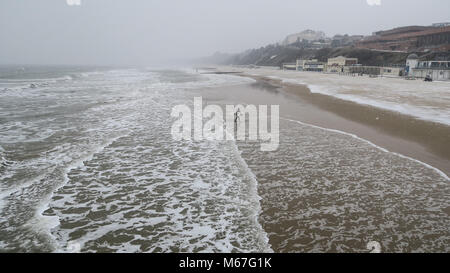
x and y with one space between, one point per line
87 162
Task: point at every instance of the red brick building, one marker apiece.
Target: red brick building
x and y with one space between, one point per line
409 39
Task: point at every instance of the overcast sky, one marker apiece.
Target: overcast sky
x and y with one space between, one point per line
147 32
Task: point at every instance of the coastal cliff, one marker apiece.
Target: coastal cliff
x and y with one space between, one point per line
315 45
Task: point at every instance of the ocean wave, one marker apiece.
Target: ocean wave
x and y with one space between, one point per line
194 80
263 237
328 191
441 173
44 224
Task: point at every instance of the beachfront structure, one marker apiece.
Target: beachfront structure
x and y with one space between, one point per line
411 63
392 71
362 70
310 65
437 70
444 24
342 61
289 66
384 71
300 64
336 65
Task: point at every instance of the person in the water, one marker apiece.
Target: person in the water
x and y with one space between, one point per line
236 116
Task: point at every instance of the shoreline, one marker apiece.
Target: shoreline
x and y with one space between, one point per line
331 186
422 140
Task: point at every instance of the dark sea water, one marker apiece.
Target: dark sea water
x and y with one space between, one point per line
88 162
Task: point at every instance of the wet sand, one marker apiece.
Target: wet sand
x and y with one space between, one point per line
426 141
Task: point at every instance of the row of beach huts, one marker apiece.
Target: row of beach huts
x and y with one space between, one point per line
413 68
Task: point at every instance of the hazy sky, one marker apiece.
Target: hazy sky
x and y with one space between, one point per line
147 32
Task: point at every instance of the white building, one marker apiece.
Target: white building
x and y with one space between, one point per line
336 65
411 63
310 65
437 70
289 66
445 24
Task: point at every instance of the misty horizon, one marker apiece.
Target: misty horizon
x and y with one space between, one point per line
101 32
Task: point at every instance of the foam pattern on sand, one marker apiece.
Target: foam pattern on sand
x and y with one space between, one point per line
327 191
